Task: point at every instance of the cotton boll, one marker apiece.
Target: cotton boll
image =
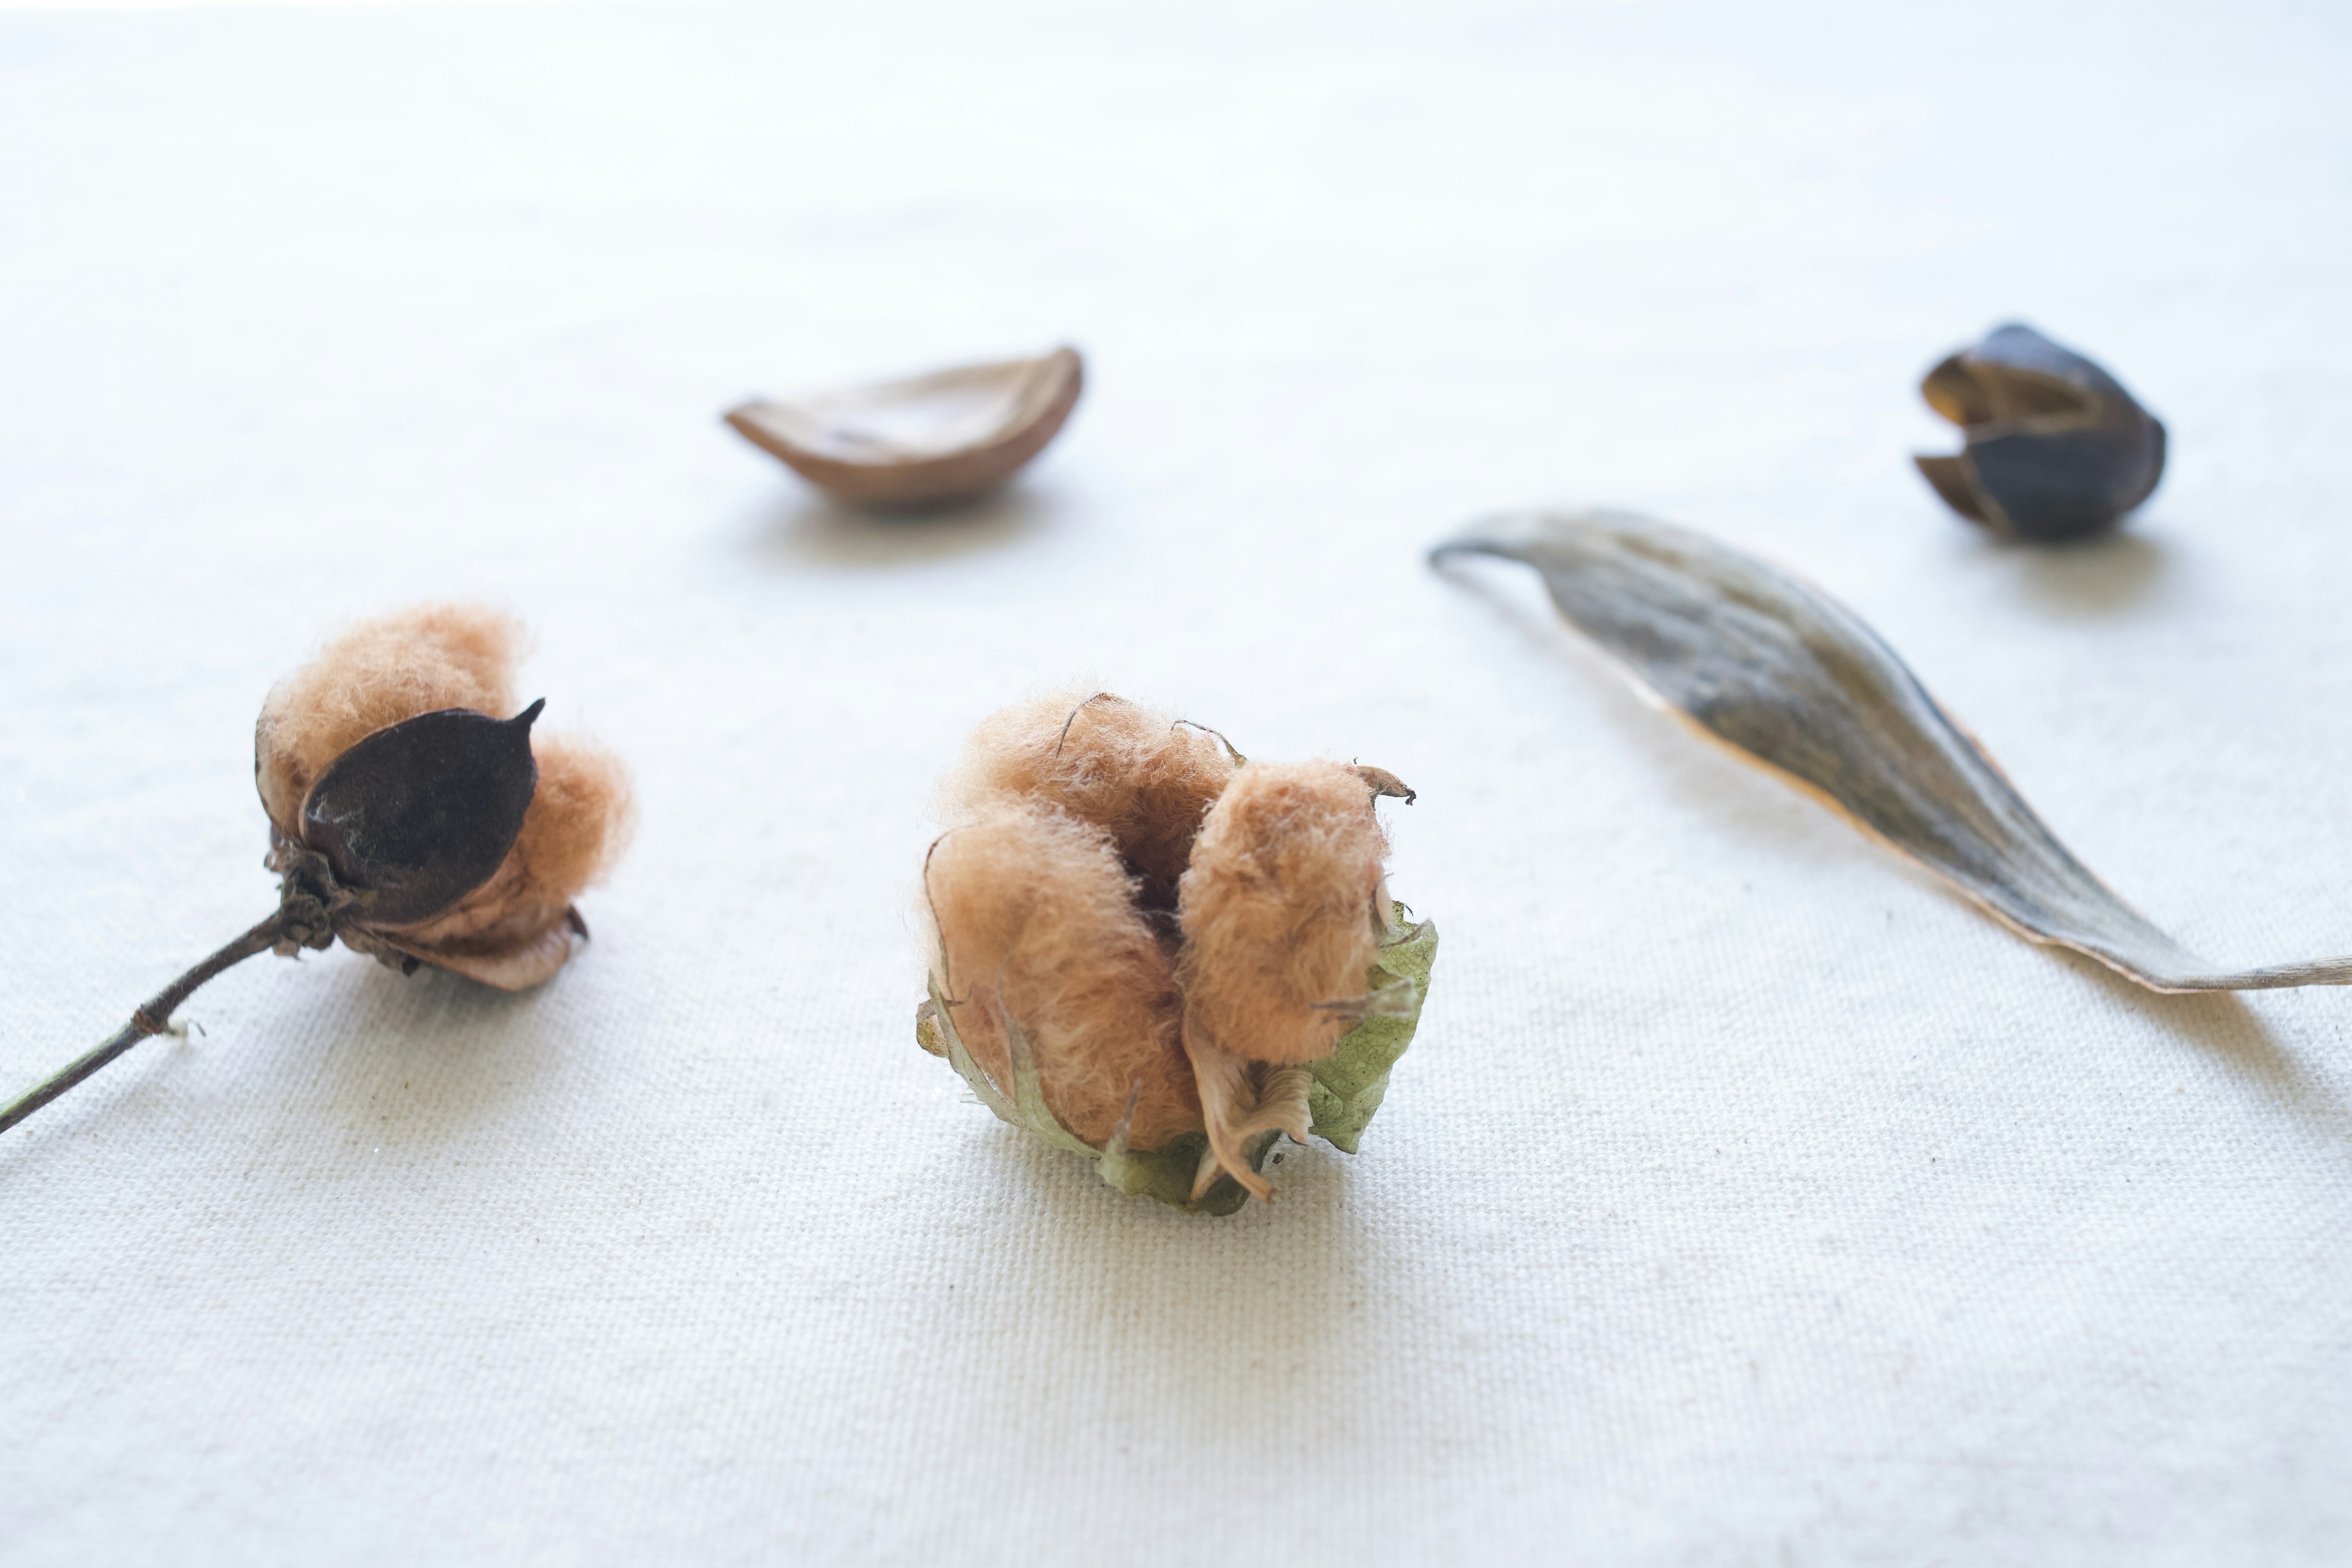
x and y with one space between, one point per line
1037 922
1159 919
1280 911
517 927
416 816
1143 777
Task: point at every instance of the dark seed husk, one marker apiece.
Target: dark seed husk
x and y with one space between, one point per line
2056 449
420 814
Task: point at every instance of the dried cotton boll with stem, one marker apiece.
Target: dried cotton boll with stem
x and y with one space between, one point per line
1157 953
410 821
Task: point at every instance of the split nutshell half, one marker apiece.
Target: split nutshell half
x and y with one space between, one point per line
411 821
927 439
2055 449
1152 951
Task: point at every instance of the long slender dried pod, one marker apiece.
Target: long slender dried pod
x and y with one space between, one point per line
1789 678
410 827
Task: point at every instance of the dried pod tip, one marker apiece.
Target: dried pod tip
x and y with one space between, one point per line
1233 753
1384 783
2055 449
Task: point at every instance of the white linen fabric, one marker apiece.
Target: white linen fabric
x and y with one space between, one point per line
1747 1196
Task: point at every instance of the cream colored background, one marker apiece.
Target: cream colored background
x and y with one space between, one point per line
1747 1199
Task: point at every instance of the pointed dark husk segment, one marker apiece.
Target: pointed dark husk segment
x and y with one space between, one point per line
398 829
1791 678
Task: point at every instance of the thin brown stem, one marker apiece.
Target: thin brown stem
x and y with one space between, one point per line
154 1018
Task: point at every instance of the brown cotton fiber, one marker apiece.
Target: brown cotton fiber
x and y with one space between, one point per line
1279 911
579 820
518 927
376 674
1141 776
1037 921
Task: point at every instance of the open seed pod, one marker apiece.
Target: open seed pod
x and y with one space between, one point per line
330 731
410 820
931 437
1156 953
2056 448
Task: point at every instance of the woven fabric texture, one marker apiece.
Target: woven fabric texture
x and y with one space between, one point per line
1747 1198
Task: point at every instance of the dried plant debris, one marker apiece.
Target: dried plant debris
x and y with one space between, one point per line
411 822
1788 677
2056 449
936 438
1152 951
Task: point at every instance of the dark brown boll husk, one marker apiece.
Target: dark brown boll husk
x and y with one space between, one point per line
2056 449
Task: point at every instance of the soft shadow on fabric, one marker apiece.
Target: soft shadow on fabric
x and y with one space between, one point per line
2226 1025
2093 578
1238 1307
432 1060
429 1061
806 528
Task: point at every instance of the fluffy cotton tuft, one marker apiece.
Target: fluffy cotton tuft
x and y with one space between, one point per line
1142 777
1036 918
1280 911
381 671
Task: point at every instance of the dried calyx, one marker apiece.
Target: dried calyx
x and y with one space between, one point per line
2056 449
410 821
1158 953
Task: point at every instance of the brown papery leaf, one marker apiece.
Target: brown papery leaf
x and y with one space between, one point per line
1788 677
